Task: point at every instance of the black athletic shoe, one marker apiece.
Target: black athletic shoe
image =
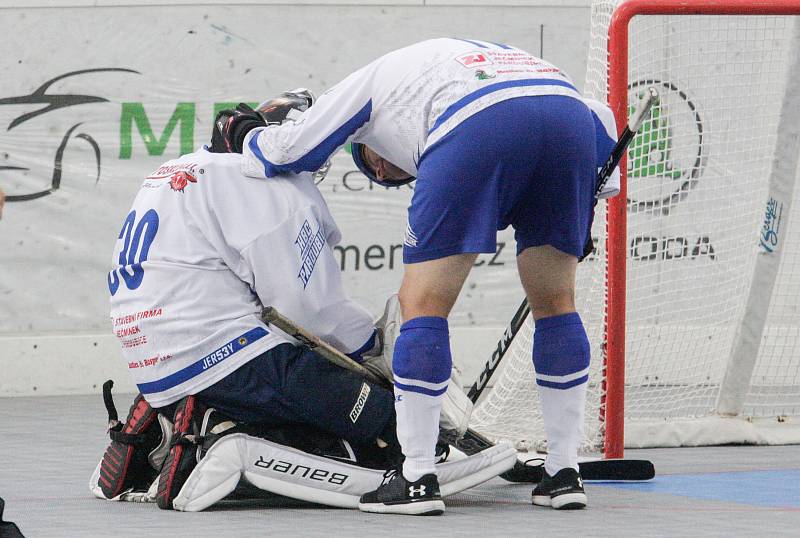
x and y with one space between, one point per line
564 491
399 496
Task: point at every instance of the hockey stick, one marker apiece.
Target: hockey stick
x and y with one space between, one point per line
312 342
636 121
617 469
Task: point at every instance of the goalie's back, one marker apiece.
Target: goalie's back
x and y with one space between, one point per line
185 303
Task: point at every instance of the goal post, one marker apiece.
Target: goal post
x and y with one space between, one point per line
618 84
692 298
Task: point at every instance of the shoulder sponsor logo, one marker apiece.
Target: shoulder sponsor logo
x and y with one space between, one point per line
474 59
360 402
179 175
179 180
169 170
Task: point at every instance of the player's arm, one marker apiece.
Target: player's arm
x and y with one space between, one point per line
306 144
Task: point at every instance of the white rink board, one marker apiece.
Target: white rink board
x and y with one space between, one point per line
134 69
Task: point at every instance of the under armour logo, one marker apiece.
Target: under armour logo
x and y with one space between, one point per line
416 491
580 482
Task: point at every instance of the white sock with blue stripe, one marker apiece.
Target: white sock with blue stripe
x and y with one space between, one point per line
421 366
561 360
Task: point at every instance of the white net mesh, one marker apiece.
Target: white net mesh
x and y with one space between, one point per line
698 188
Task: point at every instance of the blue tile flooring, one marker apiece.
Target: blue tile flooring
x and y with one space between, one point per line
777 489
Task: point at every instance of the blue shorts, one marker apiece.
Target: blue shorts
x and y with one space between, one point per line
528 162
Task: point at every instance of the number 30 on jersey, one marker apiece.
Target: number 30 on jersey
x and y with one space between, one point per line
136 241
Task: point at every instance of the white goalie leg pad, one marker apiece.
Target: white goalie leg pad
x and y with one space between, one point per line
299 475
216 475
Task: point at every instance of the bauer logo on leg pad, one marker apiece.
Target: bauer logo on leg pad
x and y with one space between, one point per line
301 471
360 402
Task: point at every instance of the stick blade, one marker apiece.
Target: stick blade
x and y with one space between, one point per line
615 469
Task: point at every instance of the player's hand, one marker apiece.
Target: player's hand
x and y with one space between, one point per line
231 126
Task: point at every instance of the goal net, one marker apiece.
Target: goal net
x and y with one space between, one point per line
708 318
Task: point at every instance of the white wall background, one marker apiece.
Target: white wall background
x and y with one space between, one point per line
55 251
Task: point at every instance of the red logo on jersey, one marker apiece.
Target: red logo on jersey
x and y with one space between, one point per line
179 180
473 59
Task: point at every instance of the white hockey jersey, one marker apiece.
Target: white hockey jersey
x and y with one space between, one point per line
405 101
202 249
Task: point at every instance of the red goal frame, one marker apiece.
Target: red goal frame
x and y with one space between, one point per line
612 405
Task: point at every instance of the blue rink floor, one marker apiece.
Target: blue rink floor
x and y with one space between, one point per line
49 447
778 488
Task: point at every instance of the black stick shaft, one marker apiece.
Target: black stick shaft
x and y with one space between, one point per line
491 365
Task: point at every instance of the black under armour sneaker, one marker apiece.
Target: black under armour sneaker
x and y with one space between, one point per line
564 491
399 496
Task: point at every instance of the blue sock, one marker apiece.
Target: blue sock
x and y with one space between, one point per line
561 360
421 365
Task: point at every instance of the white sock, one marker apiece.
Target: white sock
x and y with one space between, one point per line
563 411
417 431
561 360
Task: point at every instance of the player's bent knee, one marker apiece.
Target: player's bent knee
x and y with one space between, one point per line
422 351
416 303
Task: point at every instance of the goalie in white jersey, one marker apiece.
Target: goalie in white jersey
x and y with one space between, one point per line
202 249
494 137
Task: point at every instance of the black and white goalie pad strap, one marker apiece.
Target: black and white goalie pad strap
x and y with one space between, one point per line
293 473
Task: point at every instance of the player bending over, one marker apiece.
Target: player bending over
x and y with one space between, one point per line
494 137
202 249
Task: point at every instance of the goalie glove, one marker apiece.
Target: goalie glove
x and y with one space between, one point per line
232 125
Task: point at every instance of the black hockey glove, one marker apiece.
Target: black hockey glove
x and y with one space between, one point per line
231 126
